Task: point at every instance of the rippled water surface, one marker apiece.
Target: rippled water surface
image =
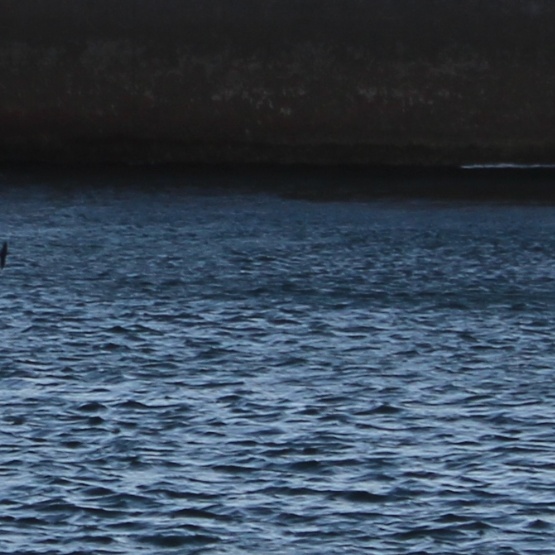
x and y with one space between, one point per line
223 372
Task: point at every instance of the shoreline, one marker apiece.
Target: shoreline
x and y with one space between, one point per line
337 182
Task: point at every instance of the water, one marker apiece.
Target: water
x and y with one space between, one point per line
215 371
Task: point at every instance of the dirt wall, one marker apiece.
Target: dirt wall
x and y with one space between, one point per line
426 82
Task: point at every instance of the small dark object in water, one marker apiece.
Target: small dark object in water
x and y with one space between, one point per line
3 254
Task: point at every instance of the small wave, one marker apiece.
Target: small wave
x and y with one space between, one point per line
360 496
132 404
202 514
169 541
91 406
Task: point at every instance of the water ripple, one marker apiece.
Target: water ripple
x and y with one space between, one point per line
239 373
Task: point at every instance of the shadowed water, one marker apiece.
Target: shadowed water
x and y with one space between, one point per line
227 372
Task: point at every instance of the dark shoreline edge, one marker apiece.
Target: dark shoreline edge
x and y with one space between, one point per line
396 82
335 182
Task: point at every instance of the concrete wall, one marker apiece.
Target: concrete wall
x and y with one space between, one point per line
311 81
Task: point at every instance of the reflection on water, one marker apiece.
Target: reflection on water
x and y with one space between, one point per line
223 371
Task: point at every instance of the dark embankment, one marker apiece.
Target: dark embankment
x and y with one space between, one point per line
315 183
388 82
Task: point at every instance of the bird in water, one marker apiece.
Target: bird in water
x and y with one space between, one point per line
3 254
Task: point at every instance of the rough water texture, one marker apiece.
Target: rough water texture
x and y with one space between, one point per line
399 82
219 371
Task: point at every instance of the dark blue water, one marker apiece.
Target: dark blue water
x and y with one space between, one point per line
226 372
